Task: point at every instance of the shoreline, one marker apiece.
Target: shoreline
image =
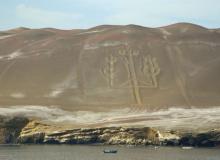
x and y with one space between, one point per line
20 130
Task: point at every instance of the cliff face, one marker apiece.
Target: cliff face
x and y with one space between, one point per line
10 129
111 66
22 131
38 133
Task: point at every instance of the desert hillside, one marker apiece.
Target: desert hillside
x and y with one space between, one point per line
116 66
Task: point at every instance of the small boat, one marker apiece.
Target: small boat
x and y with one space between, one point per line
187 147
110 151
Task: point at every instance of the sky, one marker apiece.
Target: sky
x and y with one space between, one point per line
72 14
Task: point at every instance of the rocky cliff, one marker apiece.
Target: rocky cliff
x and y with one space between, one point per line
10 128
21 131
35 132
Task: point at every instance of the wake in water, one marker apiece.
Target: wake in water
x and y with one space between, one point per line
194 118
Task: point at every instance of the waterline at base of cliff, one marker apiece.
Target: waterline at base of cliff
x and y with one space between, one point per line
20 130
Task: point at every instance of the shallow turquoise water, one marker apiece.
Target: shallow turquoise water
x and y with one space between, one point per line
76 152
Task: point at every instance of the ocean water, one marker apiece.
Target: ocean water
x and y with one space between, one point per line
81 152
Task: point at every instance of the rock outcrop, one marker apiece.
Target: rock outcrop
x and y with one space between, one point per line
36 132
206 139
10 128
109 135
23 131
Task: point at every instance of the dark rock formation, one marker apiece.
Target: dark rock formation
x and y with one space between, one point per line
207 139
10 128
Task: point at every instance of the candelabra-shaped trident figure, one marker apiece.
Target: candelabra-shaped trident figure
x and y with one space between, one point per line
109 70
128 58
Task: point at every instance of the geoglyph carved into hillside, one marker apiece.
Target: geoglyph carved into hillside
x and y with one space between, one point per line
108 71
149 67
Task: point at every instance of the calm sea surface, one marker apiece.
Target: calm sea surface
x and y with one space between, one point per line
68 152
